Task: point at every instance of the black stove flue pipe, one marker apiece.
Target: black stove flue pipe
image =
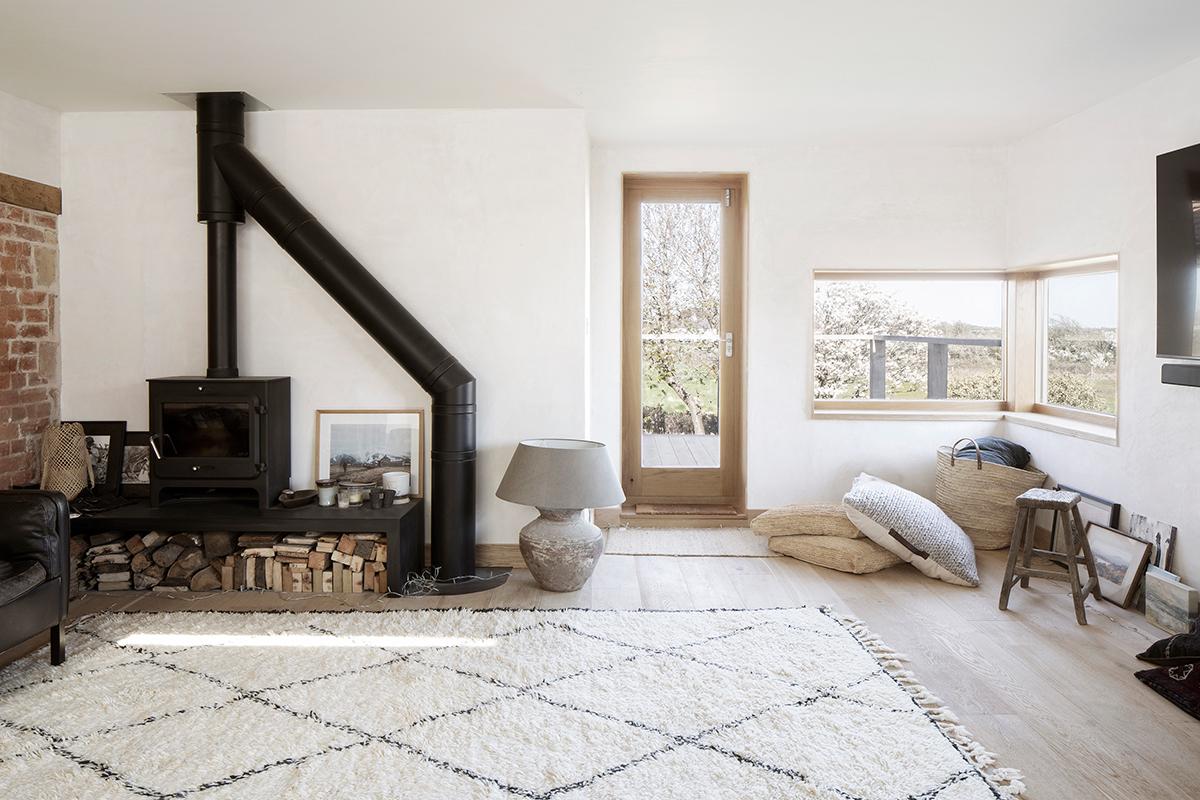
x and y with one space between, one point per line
414 348
220 119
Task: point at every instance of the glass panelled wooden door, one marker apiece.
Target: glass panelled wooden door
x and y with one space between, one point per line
682 339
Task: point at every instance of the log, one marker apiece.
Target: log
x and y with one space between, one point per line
165 556
326 581
110 569
206 580
111 558
186 539
153 539
97 539
134 544
363 549
106 549
188 564
218 545
140 561
319 561
227 578
143 581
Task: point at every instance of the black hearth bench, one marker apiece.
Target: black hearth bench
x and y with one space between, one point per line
404 525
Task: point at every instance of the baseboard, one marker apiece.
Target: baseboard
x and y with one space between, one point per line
499 555
494 555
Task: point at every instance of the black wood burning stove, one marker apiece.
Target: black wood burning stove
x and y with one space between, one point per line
220 437
222 434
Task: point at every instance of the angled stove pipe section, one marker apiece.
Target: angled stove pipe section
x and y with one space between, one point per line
397 331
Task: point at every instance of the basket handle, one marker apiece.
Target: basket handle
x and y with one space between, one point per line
978 456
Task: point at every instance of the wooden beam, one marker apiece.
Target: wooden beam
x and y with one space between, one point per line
30 194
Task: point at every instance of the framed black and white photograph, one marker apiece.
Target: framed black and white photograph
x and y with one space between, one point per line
1160 535
135 465
106 446
1120 562
362 445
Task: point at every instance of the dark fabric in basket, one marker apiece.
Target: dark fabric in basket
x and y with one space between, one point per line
1180 685
997 451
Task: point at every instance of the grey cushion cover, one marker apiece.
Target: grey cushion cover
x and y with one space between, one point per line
17 579
913 528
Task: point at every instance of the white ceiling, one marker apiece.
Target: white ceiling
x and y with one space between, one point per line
822 71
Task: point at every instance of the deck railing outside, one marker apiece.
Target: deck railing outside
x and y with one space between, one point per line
938 374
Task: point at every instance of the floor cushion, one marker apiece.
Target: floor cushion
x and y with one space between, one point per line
913 528
835 552
1182 648
1179 684
811 519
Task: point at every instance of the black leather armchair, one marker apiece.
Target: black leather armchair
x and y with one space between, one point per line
35 577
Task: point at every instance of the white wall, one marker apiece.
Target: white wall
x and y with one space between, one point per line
1087 186
475 220
29 136
810 208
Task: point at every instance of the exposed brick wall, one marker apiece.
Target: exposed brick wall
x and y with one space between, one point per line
29 353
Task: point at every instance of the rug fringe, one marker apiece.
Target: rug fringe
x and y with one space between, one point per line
1008 782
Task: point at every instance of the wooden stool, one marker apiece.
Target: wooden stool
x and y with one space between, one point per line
1066 506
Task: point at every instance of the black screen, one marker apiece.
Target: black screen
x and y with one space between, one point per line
206 430
1178 251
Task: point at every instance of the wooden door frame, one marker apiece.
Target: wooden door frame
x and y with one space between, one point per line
725 485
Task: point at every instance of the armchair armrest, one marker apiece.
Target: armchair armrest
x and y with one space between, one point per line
36 526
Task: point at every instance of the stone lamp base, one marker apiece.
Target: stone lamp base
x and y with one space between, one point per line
561 549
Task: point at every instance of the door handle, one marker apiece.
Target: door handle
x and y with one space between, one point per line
729 344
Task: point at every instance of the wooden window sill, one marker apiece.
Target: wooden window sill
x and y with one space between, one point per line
1079 429
907 414
1090 431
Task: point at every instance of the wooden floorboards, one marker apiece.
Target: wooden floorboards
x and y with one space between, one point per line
1054 699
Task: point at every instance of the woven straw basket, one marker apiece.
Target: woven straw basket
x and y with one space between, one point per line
981 496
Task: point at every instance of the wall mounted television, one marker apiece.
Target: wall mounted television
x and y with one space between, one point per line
1179 263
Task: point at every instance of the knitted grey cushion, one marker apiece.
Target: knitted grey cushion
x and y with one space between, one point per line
913 528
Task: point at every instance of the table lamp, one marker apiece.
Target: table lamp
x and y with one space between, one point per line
561 478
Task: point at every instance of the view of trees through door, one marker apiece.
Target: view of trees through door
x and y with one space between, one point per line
680 333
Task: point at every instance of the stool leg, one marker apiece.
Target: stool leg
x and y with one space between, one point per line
1013 547
1027 544
1072 541
1088 560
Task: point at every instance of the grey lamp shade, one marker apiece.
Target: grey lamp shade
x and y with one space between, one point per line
562 474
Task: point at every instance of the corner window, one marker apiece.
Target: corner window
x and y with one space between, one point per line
914 339
1079 342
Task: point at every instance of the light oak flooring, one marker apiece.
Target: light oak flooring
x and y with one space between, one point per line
1054 699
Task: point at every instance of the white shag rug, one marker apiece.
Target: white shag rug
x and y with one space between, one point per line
462 704
686 542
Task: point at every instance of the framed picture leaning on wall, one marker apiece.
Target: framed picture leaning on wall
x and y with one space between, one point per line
360 446
105 443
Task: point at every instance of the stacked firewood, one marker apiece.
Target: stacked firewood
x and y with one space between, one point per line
351 562
310 562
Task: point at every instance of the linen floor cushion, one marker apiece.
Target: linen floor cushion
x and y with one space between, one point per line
913 528
836 552
811 519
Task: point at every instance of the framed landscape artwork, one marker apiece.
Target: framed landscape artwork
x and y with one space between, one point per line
1120 562
362 445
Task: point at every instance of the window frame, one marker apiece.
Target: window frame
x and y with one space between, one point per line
1023 354
921 408
1041 276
